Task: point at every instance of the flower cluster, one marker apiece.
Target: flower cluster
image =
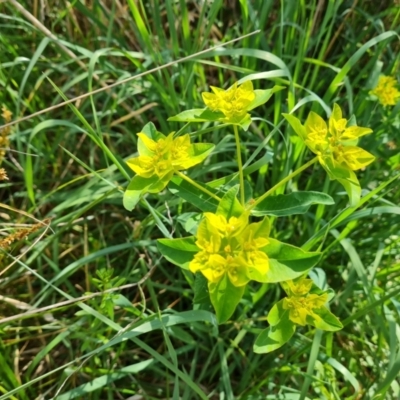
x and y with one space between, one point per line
302 304
334 141
234 103
335 145
162 156
305 304
386 91
233 247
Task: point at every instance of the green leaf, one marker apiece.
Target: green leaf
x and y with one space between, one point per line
353 190
198 152
160 183
102 381
197 115
150 131
291 204
209 115
262 96
329 321
178 251
248 189
201 294
346 177
193 195
229 205
189 116
276 313
245 122
296 125
276 335
225 297
135 189
288 262
190 221
139 186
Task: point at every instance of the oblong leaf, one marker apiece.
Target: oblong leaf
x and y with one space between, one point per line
291 204
328 321
276 313
201 294
275 336
197 153
262 96
229 205
178 251
189 116
135 189
225 297
288 262
296 125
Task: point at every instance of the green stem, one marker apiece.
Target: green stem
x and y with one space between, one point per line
282 182
195 184
240 165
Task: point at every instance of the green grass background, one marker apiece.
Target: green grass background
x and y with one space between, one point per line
68 165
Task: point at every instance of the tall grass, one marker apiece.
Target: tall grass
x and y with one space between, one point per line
142 337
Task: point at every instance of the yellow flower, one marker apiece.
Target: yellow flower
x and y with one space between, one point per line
335 145
386 91
335 140
164 155
301 303
233 103
231 246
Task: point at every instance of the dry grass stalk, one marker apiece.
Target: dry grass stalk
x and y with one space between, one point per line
5 133
21 234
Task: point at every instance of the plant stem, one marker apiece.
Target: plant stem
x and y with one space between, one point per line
282 182
240 165
195 184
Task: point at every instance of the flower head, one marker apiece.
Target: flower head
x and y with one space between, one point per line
163 155
334 141
159 158
231 246
300 303
386 91
233 103
232 106
335 145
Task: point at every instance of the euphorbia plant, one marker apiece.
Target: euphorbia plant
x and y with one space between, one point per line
229 251
228 246
305 304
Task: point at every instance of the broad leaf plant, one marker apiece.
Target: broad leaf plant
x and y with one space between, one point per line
230 242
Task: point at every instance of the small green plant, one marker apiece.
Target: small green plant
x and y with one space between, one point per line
228 250
106 281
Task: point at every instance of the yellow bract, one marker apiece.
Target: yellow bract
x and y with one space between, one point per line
163 156
233 103
231 246
332 140
301 303
386 91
